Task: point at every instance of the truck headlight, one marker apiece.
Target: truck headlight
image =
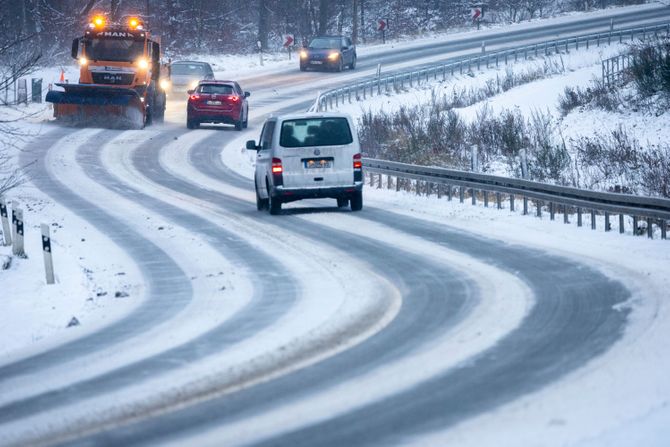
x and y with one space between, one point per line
143 63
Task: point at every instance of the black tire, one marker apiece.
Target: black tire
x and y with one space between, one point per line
340 65
357 201
159 111
261 204
342 202
245 123
352 65
303 68
192 124
274 203
239 125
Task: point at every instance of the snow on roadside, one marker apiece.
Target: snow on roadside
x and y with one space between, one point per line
96 282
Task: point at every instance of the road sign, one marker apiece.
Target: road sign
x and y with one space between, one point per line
381 25
476 14
289 40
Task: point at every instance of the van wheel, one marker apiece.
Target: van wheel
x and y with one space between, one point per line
357 201
274 205
342 202
261 204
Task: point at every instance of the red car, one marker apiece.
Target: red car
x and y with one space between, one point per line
217 102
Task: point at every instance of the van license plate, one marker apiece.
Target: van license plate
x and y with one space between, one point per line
318 163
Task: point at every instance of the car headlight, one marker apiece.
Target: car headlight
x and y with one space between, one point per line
303 54
165 84
333 56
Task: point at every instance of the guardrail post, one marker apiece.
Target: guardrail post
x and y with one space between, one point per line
6 229
418 187
439 190
664 230
579 217
449 192
650 228
587 43
397 184
389 183
593 219
372 181
46 249
462 193
621 224
499 200
576 43
635 229
474 196
525 205
565 214
511 202
486 199
552 211
608 227
538 205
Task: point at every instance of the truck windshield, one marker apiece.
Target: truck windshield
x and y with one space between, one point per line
119 50
315 132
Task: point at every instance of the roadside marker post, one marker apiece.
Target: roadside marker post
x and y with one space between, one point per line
46 249
6 229
17 220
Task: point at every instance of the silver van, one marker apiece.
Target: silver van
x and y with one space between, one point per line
308 156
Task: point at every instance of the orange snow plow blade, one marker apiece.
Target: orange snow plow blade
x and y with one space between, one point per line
86 104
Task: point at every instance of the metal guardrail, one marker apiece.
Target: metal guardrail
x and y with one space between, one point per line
397 81
555 199
615 67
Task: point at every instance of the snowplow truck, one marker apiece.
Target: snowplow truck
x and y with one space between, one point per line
119 79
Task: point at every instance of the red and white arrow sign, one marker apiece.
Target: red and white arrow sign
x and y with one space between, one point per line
289 40
381 25
476 13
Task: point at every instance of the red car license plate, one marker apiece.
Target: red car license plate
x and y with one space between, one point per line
213 103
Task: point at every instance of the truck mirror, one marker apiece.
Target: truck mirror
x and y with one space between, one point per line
75 49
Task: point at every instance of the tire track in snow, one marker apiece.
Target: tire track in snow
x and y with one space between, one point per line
271 298
168 290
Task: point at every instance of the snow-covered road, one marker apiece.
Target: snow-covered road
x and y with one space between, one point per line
415 321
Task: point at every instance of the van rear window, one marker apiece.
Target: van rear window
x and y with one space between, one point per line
315 132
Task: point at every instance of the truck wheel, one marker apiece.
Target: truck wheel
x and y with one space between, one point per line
342 202
357 201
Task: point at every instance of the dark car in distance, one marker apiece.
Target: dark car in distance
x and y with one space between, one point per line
217 102
328 53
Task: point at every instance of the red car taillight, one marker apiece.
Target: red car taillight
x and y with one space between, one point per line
234 98
276 166
358 164
195 97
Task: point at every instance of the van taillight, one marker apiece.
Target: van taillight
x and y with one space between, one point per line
276 166
358 164
358 168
